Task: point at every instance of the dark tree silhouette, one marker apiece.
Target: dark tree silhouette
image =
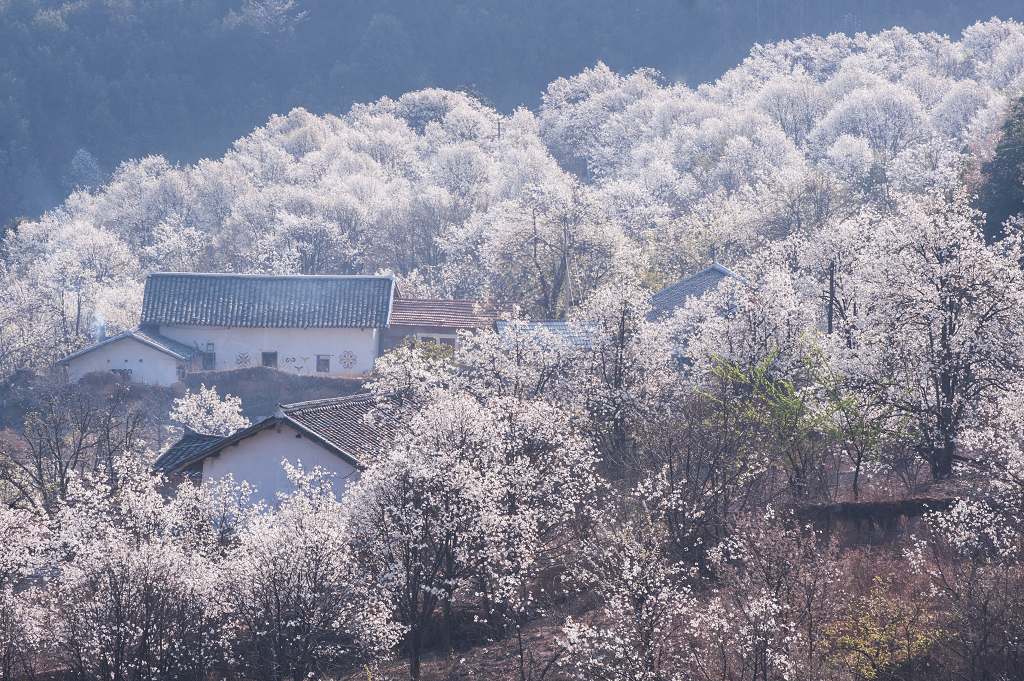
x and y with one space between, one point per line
1002 191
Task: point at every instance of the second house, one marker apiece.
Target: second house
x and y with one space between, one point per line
311 325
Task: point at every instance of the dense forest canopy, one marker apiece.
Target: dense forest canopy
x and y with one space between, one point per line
86 85
613 175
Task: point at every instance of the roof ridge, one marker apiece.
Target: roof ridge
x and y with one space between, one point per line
158 337
154 341
207 436
324 401
725 270
440 300
239 275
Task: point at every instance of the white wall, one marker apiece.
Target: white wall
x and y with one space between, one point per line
258 461
296 349
147 364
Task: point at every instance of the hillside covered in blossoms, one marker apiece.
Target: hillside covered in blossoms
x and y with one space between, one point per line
615 175
811 468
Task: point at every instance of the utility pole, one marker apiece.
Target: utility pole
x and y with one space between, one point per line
831 293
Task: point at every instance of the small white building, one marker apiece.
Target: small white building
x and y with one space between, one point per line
319 325
136 356
339 435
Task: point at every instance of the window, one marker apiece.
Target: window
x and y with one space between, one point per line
181 372
209 358
439 340
323 364
270 359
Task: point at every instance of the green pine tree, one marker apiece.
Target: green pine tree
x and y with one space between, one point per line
1002 191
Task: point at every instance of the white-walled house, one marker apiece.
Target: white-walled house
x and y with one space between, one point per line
339 435
306 324
137 356
326 325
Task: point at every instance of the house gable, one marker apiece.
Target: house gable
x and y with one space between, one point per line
134 356
353 427
258 459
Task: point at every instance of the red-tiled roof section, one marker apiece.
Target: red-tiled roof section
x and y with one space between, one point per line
450 314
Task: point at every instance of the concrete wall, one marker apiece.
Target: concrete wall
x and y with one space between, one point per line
146 364
238 348
258 461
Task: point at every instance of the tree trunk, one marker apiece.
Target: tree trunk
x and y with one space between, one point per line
414 654
856 476
446 628
942 460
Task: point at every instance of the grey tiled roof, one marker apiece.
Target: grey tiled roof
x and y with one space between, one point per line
572 333
191 447
670 298
181 349
267 301
162 343
357 425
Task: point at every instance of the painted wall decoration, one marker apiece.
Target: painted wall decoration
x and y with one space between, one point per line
296 349
296 364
